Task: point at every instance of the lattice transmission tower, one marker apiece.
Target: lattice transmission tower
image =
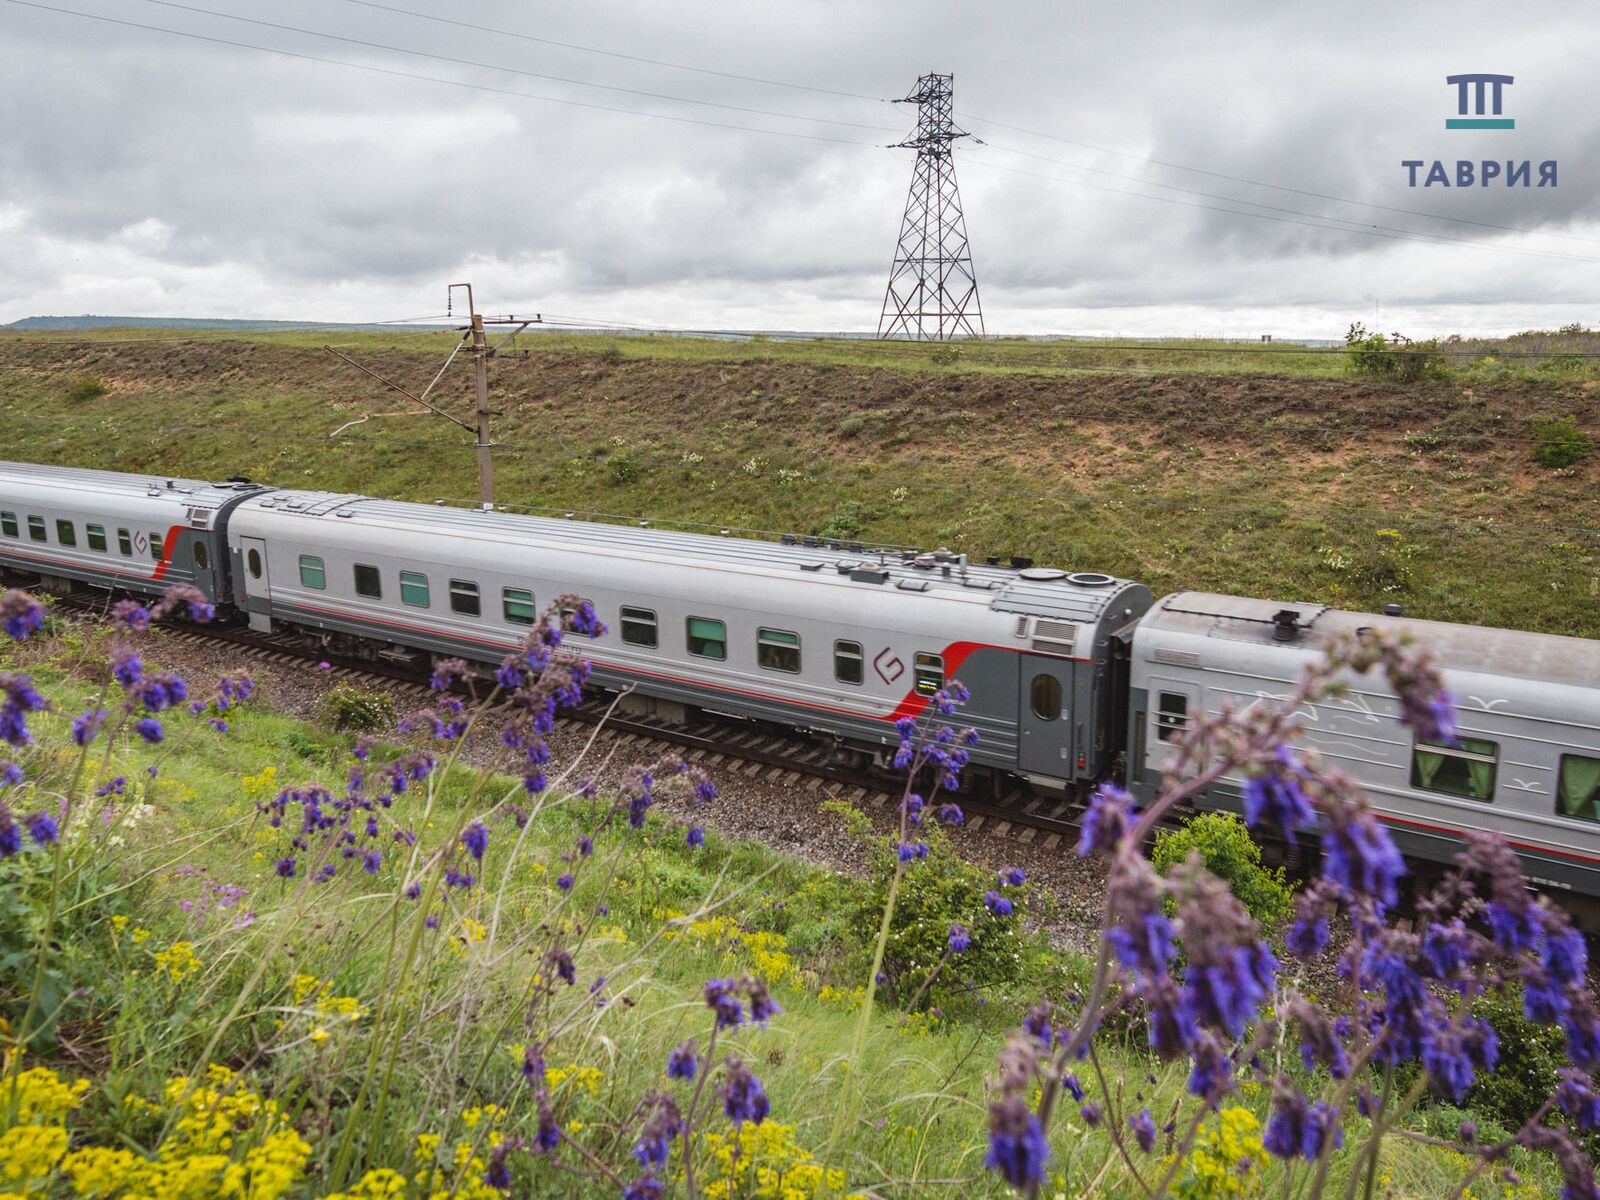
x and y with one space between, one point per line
933 292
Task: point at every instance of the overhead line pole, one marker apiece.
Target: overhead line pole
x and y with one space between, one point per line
481 351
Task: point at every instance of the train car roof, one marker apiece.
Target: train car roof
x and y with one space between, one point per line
1510 652
1054 594
189 492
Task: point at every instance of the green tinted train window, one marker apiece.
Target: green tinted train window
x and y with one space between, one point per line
312 573
847 661
155 546
518 607
414 589
708 638
36 529
96 535
66 534
8 524
1466 770
1578 791
125 543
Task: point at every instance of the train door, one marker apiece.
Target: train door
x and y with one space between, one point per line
255 597
1044 717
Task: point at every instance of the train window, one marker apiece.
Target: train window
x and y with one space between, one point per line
518 606
464 598
96 535
36 528
639 627
8 524
1172 715
414 589
1466 770
125 543
368 582
1578 793
708 638
847 662
155 547
253 562
201 559
1045 696
66 534
778 650
312 572
928 669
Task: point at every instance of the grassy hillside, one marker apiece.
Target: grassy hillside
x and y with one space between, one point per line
1263 470
221 1017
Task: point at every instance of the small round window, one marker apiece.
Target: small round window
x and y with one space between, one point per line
1046 695
253 561
200 559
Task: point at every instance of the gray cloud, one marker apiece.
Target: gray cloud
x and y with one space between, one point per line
147 174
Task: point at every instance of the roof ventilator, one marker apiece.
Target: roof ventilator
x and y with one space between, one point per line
1054 637
870 575
1285 625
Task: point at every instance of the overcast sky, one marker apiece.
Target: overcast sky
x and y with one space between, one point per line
143 173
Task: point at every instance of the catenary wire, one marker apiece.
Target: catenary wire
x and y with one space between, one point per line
466 62
456 83
654 62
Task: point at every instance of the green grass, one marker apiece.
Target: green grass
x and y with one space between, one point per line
1259 484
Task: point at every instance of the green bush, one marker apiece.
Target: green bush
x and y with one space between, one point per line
1531 1060
847 521
934 894
1396 358
351 709
946 356
86 388
1229 852
1558 442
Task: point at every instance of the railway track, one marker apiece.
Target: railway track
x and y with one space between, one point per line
731 748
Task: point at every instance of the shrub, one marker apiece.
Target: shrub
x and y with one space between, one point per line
945 890
350 709
1558 442
852 425
847 521
1396 358
86 388
946 356
1229 852
1531 1060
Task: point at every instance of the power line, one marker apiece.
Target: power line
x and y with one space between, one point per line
1412 212
456 83
1363 232
654 62
1358 226
467 62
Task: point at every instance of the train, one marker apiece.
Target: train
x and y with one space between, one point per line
1075 676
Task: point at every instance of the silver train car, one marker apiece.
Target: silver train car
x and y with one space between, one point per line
1528 707
821 637
1075 678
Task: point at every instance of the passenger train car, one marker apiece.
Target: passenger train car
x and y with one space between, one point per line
1075 677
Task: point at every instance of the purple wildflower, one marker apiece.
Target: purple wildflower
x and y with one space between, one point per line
1017 1145
1275 798
721 1000
149 729
565 883
683 1063
743 1097
1106 821
476 839
285 868
960 938
1143 1126
86 727
696 837
41 827
997 904
20 615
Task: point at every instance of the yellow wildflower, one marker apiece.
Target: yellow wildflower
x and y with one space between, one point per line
178 961
29 1153
43 1097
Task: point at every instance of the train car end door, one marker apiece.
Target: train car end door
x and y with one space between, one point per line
255 595
1044 717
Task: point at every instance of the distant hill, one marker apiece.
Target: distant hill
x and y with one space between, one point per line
88 321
